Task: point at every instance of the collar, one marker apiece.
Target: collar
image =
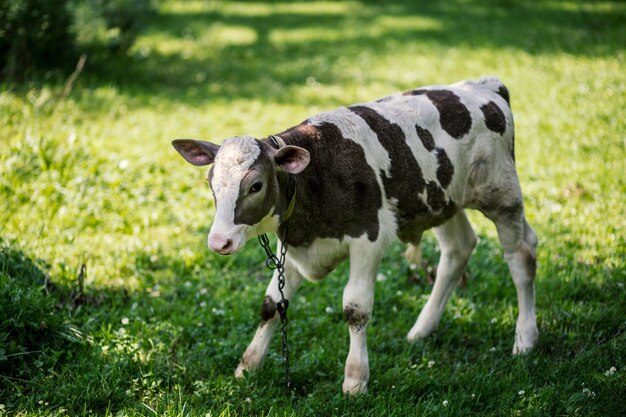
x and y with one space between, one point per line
278 142
292 202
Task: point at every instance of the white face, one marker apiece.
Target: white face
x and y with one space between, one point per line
234 181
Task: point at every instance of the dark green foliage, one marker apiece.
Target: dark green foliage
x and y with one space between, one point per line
33 34
50 34
110 25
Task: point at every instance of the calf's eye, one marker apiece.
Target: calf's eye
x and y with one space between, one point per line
256 187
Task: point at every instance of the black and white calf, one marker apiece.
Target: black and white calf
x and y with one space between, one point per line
364 176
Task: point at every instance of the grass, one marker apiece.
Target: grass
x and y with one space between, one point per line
159 328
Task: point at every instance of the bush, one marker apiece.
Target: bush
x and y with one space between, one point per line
33 34
109 24
50 34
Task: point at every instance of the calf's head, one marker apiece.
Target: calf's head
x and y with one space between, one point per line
245 183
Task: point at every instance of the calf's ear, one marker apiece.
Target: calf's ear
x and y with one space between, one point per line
196 152
292 159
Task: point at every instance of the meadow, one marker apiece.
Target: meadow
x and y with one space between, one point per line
155 323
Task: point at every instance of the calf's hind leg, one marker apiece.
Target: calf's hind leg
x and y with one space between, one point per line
519 242
456 240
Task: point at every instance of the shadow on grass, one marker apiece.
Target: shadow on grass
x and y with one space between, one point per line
43 331
190 321
283 48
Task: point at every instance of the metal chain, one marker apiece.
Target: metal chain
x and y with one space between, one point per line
272 262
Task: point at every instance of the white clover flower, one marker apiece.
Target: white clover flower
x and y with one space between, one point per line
521 392
380 277
431 364
125 321
329 310
589 393
445 403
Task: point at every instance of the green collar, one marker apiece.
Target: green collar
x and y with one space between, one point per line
292 205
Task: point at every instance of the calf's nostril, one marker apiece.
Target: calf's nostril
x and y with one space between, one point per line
220 243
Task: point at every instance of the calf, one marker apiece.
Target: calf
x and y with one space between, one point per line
368 174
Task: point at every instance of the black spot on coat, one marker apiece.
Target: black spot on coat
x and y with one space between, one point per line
355 317
426 137
494 117
445 169
340 194
435 197
504 93
406 180
268 309
454 117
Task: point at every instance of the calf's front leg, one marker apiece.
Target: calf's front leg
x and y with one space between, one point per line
358 300
257 349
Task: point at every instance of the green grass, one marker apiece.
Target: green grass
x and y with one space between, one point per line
162 322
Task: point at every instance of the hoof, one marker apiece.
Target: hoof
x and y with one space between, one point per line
421 331
525 340
352 386
240 372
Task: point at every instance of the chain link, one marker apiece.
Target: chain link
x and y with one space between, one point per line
272 262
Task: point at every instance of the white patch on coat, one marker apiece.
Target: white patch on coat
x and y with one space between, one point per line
235 157
354 128
406 111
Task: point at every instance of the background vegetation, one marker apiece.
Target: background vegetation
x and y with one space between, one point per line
156 325
39 35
